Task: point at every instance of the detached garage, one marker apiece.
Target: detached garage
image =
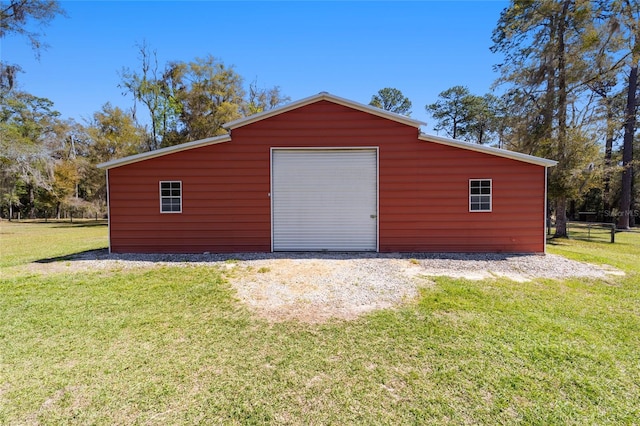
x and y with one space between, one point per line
327 174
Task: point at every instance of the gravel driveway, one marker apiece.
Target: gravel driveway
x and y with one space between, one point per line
314 287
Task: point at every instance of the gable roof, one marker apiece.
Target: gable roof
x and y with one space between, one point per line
324 96
489 150
341 101
163 151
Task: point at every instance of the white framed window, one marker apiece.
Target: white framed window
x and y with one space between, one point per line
480 191
171 196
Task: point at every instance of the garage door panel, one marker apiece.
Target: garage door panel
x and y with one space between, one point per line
324 200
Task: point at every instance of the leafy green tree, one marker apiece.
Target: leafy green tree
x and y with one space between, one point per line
9 200
392 100
71 187
27 129
209 94
451 111
463 115
64 186
111 134
43 157
192 100
482 120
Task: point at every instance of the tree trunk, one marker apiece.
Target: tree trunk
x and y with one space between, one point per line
32 202
632 208
608 151
561 217
571 214
627 153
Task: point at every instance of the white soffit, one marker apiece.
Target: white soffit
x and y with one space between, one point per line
489 150
164 151
324 96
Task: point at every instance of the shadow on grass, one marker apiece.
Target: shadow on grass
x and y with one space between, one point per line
553 241
82 255
80 223
100 223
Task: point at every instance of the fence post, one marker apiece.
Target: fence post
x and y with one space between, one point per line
613 233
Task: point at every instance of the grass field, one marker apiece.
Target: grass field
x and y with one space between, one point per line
173 346
23 242
587 231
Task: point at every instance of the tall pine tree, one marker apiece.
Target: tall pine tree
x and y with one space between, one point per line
542 44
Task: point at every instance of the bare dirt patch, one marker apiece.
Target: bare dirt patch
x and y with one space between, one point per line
314 290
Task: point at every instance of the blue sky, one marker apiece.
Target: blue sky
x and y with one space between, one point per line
350 49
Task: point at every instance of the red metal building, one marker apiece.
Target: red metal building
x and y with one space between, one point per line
327 174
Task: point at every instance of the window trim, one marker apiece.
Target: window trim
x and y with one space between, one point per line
490 195
162 197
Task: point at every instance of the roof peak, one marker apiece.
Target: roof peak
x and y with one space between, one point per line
324 96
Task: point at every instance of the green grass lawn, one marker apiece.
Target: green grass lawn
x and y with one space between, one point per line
22 242
172 345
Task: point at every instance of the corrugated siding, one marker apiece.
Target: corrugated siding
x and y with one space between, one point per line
423 190
324 200
225 203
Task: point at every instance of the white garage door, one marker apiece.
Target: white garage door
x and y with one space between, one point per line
324 200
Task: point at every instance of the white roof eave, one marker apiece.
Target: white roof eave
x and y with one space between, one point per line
324 96
163 151
489 150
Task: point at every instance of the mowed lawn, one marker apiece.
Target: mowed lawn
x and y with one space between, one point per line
172 345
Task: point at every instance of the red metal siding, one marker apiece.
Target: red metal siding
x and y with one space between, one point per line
225 202
424 201
423 190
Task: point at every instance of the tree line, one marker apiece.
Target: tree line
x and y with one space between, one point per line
49 163
567 90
